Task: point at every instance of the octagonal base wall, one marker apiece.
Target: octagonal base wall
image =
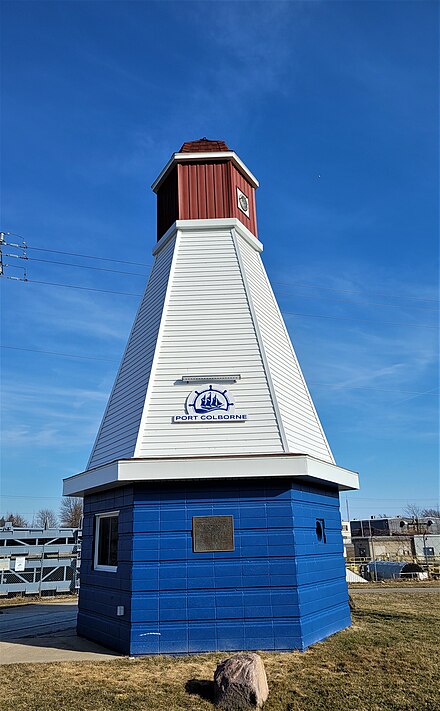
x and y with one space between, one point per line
283 586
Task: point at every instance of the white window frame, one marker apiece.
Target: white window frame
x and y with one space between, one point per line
96 566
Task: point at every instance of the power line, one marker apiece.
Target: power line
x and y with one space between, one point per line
76 254
355 291
289 313
336 386
368 303
118 271
380 498
366 387
80 266
23 496
412 397
64 355
89 256
73 286
309 285
364 320
283 284
24 513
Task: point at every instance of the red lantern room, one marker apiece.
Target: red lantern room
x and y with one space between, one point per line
205 180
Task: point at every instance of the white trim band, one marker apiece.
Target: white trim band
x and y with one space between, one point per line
205 157
127 471
210 227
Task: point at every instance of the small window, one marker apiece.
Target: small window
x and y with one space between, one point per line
320 530
106 541
356 529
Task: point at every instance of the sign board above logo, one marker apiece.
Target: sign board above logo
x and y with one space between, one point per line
210 378
212 403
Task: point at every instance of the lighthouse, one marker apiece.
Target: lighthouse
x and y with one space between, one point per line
211 496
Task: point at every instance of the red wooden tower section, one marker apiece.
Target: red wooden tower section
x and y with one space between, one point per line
205 180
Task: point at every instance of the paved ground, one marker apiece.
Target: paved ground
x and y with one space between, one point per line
38 619
45 633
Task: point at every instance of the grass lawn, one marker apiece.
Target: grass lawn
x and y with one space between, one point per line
387 660
398 583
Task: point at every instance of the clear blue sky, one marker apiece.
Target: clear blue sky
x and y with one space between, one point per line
332 105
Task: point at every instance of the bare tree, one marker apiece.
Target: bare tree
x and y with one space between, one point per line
413 510
435 513
17 520
46 518
71 511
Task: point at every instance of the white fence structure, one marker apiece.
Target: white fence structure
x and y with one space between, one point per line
36 561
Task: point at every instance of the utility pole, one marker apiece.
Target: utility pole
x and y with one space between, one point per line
373 560
425 549
2 241
23 255
42 561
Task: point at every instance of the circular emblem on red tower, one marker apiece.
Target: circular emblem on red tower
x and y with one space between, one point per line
243 202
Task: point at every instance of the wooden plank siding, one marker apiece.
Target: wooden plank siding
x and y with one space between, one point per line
198 191
238 181
204 190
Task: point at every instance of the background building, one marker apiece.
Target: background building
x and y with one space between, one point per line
397 539
346 538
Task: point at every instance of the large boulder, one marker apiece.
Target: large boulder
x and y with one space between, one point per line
240 683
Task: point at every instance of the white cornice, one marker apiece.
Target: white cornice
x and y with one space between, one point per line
128 471
205 157
211 226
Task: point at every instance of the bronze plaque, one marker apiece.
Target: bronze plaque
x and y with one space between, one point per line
213 534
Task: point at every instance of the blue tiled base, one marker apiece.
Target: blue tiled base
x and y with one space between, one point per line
281 588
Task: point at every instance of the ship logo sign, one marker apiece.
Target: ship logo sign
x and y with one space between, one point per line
209 405
210 400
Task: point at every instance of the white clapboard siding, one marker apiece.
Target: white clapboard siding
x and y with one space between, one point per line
120 425
208 328
301 424
208 309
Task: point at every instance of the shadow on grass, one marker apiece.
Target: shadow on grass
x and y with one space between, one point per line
388 616
202 688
